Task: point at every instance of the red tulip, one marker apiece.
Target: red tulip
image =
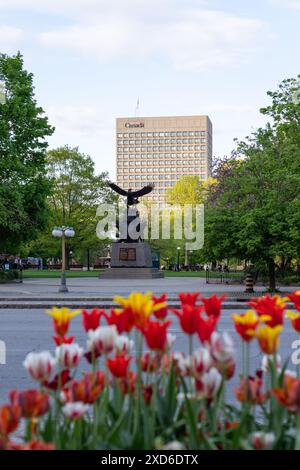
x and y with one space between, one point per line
213 305
269 309
288 395
31 445
147 393
295 298
33 403
123 319
86 390
150 363
59 381
119 365
189 318
251 390
127 384
188 298
91 320
206 327
59 340
9 419
155 334
162 312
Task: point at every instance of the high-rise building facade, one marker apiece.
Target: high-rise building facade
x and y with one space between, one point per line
161 150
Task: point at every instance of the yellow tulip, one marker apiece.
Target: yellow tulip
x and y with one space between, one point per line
268 338
140 305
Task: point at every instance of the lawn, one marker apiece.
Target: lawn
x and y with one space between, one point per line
33 273
55 273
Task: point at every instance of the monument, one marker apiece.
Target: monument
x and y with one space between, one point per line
131 257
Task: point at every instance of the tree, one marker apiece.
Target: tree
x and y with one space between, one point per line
75 195
255 206
23 132
189 189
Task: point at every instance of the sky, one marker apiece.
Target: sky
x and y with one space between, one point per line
92 60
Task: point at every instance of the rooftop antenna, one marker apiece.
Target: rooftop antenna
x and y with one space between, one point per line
137 108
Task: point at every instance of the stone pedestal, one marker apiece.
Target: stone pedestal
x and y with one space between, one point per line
131 260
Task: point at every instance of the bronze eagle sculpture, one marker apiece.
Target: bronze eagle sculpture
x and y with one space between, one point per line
132 196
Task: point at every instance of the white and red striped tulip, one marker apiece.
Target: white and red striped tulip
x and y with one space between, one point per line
39 365
75 410
69 355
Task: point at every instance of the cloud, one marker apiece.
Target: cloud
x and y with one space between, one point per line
293 4
10 38
188 39
81 121
185 34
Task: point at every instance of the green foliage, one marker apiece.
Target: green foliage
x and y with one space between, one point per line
189 190
255 205
23 129
75 195
10 275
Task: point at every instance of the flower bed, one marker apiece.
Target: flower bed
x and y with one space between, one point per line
140 393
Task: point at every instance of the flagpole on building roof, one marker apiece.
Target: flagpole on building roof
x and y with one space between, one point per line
137 108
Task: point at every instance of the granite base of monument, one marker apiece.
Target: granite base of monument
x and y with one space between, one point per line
131 261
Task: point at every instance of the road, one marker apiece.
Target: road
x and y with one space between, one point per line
30 330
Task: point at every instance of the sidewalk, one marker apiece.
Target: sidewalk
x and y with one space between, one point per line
90 292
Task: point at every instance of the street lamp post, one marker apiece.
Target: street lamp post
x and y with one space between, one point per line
63 232
178 255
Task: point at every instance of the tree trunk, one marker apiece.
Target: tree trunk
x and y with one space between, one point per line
272 280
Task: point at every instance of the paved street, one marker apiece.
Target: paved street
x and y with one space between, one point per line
107 287
30 330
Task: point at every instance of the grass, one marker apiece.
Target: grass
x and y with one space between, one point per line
55 273
52 274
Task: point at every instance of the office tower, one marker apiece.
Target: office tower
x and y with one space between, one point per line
161 150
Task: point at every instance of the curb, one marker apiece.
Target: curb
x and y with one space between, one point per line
237 305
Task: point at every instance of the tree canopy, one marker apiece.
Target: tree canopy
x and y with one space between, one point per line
23 131
76 191
253 211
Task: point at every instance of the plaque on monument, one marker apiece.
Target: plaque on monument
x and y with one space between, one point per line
127 254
